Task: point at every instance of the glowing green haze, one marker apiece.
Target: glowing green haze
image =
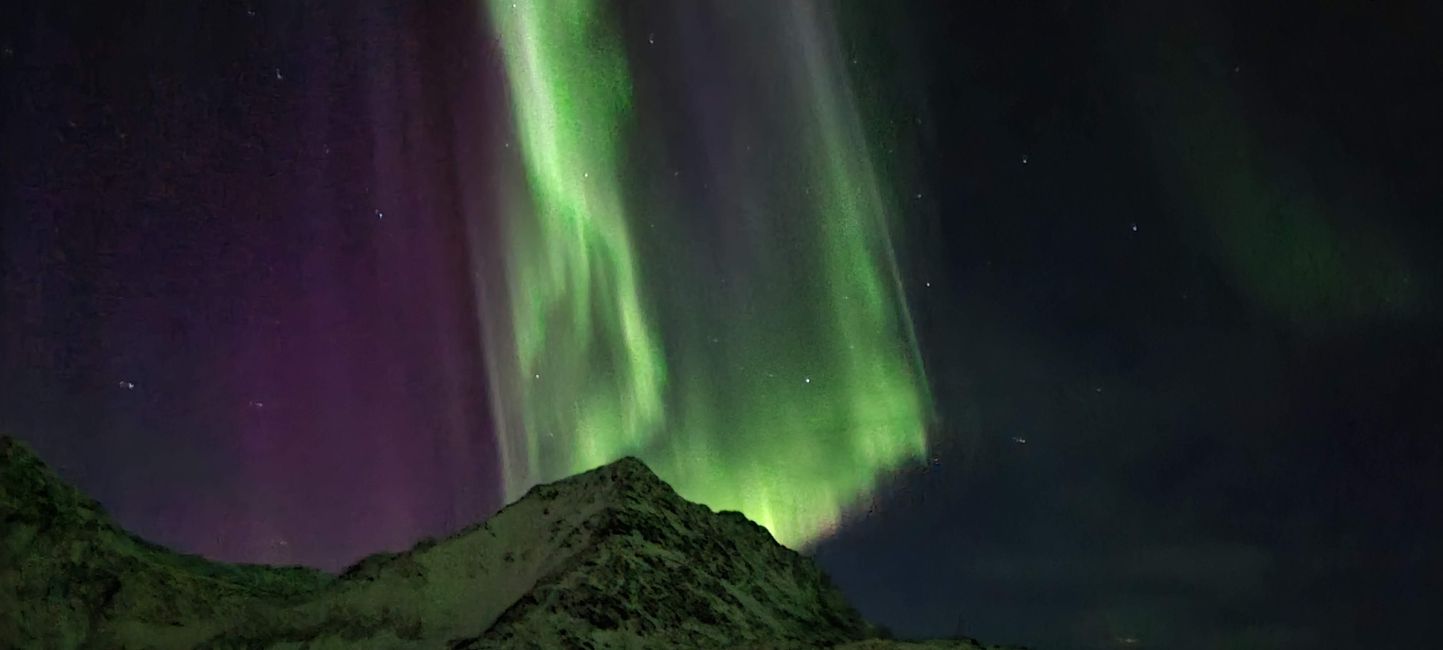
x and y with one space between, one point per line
783 383
590 368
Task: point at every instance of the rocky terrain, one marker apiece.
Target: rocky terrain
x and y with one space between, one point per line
69 577
610 558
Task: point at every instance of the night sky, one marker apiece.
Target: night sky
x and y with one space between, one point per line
1070 324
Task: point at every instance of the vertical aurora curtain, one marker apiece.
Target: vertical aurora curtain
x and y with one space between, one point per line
743 332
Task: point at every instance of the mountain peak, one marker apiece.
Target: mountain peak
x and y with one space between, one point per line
631 467
627 471
651 569
32 493
609 558
14 453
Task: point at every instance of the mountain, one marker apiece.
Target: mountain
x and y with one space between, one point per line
610 558
655 570
71 577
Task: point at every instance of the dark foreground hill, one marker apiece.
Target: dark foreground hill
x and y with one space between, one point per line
69 577
610 558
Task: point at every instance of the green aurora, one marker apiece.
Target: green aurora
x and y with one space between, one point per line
786 393
1303 252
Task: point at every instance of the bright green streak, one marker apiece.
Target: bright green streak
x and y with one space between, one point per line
590 369
786 400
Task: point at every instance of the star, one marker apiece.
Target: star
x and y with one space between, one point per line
127 385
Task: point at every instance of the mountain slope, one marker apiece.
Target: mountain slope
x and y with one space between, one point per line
70 577
610 558
607 558
663 572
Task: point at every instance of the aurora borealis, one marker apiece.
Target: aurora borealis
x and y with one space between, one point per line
783 388
587 364
1071 325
